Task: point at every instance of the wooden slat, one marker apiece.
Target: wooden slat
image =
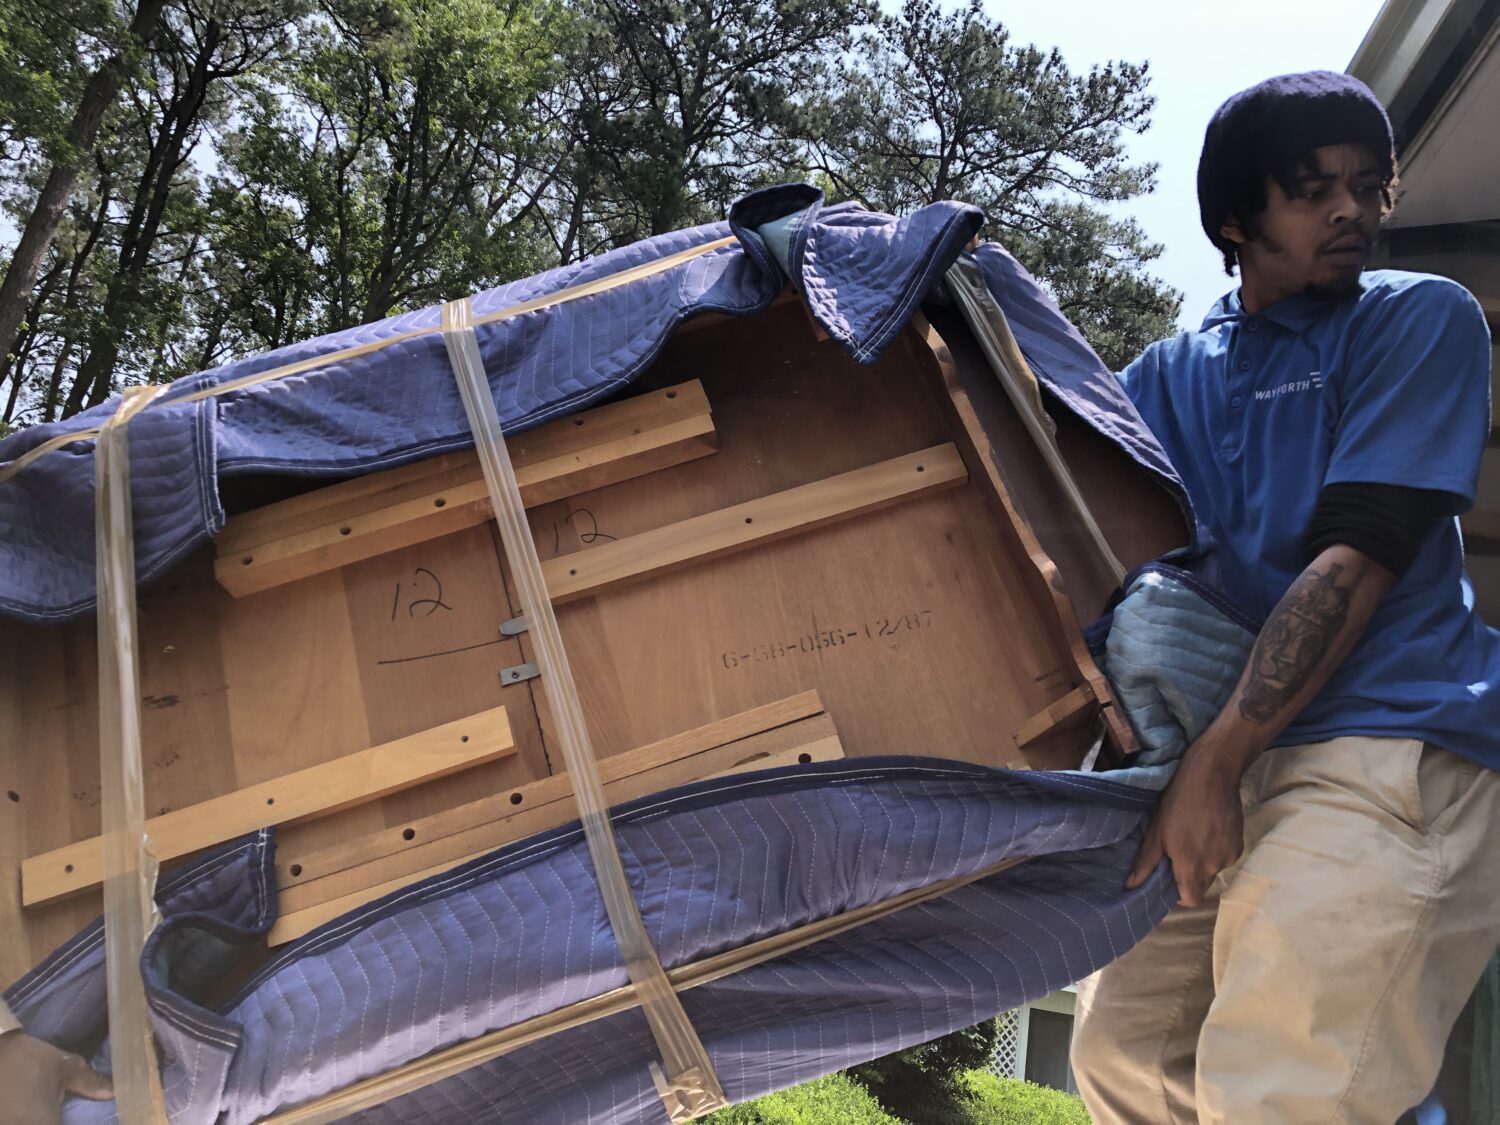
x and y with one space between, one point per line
295 867
1142 522
763 520
575 434
382 512
1071 708
335 872
312 792
311 510
309 905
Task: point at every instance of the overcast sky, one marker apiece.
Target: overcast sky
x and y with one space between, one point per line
1200 53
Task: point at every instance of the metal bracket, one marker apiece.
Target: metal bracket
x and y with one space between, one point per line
519 674
515 626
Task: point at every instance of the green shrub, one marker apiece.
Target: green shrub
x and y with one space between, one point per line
993 1100
977 1098
921 1084
835 1100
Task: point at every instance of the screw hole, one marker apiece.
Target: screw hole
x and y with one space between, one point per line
247 560
294 870
671 394
13 795
516 798
749 519
921 469
804 758
577 421
463 738
345 530
68 869
409 834
571 573
270 800
439 502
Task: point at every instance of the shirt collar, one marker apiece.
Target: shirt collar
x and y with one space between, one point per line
1297 312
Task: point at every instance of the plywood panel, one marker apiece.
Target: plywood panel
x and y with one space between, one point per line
295 697
426 625
932 628
1139 518
186 743
911 623
17 797
49 683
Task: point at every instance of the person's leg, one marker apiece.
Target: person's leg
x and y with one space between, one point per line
1136 1026
1350 934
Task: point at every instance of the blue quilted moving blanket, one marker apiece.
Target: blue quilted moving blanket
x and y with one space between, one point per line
862 274
714 865
521 932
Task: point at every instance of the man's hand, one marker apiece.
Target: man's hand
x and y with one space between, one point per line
1199 826
35 1076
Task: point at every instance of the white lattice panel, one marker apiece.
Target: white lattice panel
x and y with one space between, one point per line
1007 1058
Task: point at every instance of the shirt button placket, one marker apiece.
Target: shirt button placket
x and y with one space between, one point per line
1239 389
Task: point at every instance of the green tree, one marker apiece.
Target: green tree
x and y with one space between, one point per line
676 107
382 167
46 51
196 180
66 155
65 305
198 48
941 105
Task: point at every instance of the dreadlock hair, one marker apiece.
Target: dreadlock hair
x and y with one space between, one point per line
1269 132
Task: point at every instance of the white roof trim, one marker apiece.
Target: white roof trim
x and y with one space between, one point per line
1395 42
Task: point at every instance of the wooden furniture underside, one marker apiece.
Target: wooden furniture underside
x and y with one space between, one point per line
886 537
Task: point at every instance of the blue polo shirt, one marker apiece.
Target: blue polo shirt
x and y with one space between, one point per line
1258 413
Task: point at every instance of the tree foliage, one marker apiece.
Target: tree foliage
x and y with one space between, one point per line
47 49
380 166
204 179
942 105
677 107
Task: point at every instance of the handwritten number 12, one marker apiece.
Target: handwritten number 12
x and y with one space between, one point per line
431 604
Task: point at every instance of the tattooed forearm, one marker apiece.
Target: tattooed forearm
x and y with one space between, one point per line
1294 642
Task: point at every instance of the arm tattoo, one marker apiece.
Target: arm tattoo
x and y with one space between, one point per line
1293 642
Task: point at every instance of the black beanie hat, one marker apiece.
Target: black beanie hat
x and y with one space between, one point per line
1269 129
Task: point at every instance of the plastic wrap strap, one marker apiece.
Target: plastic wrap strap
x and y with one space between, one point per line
690 1087
990 328
129 867
9 469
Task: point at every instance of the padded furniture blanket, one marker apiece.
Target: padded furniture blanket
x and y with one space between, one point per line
714 865
862 274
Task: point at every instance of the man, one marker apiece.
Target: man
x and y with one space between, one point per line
1334 834
35 1076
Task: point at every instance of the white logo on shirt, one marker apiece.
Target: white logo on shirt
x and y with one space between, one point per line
1313 382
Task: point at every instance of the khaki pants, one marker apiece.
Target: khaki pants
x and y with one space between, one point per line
1320 978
